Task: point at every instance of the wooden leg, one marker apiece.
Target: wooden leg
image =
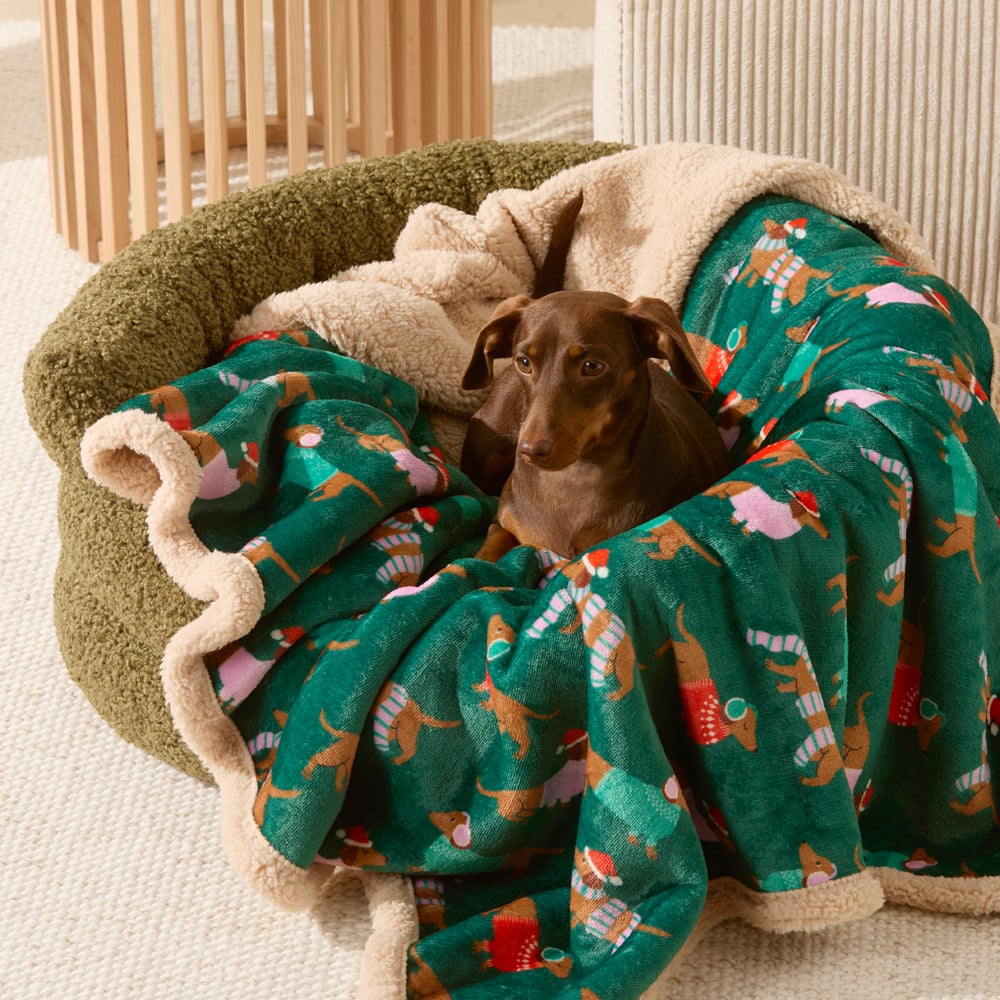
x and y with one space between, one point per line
87 196
434 53
176 116
404 33
112 133
481 85
372 34
213 61
459 69
53 17
295 67
253 40
142 151
335 30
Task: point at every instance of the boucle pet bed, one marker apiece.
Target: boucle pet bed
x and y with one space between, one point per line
774 701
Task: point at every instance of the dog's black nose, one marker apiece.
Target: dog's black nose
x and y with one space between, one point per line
535 450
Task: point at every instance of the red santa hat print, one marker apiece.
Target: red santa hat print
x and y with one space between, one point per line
796 227
426 516
571 739
603 865
596 562
356 836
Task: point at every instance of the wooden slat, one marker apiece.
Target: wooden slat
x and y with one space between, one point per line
241 59
404 32
317 55
256 111
428 69
334 82
60 129
373 26
280 58
137 24
213 81
442 90
49 64
295 37
434 58
112 129
353 64
81 91
481 84
176 113
458 69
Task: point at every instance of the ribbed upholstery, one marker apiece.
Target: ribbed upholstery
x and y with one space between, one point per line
903 96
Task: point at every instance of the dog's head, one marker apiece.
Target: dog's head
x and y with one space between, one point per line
581 358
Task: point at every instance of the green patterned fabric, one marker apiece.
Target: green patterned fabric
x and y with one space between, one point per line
785 680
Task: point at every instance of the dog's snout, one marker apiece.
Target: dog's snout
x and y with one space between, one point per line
537 449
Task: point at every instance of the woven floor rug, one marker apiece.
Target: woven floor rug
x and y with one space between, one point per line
117 888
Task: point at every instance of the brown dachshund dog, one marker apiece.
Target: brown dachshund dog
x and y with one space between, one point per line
582 436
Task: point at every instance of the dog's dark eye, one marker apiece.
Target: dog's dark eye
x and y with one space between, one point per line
592 368
523 364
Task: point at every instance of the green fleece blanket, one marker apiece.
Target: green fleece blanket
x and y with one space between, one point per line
783 682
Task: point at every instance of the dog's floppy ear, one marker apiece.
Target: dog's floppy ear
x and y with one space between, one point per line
659 334
495 340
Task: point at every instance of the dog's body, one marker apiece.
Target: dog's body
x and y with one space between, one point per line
583 436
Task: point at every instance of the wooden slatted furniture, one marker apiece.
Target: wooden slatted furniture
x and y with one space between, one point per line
344 76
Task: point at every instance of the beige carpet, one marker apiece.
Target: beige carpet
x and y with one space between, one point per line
112 883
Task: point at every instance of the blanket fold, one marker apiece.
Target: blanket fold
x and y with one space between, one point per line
777 700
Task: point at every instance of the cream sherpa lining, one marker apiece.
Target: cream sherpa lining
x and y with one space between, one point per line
650 215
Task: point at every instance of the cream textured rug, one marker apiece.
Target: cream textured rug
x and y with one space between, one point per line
117 887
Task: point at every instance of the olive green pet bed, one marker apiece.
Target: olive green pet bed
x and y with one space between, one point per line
164 308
